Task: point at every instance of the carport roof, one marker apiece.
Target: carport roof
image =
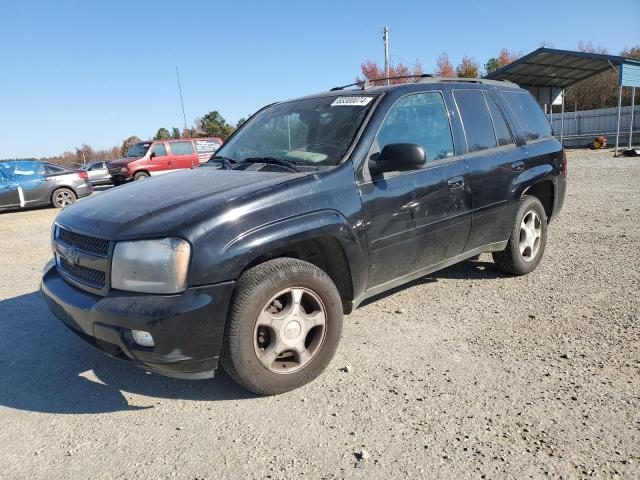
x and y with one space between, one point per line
548 67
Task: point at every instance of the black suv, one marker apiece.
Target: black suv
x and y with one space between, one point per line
312 206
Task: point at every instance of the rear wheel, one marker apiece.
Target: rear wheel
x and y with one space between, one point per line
284 326
141 176
63 197
528 239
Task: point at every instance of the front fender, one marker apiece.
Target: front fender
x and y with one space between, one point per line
221 263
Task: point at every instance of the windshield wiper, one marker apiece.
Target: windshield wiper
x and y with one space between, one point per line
273 161
227 162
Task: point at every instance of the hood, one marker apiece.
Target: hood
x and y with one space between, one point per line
122 162
166 203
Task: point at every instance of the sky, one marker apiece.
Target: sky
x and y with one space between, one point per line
98 72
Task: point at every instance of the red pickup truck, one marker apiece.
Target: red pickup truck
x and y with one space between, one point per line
146 159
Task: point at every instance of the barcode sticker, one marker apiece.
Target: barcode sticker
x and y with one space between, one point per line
351 101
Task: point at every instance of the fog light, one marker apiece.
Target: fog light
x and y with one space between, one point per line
142 338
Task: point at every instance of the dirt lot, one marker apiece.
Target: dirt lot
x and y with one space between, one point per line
464 374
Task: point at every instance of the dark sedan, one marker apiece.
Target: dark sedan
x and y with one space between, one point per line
26 184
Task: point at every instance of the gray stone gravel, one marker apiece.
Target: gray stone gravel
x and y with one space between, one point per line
464 374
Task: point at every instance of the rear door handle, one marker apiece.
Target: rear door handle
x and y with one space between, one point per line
518 166
455 183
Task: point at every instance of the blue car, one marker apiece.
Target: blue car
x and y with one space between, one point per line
26 184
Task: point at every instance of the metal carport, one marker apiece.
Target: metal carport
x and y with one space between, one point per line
547 72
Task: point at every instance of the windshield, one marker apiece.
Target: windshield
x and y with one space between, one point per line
315 131
138 149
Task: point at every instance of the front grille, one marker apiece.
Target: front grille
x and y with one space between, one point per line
89 276
84 243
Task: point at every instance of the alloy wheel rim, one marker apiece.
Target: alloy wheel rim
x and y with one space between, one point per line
530 236
64 199
290 330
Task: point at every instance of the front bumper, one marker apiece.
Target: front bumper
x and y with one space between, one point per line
187 328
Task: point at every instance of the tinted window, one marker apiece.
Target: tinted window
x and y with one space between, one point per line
49 168
529 113
476 120
159 149
422 119
181 148
502 129
95 166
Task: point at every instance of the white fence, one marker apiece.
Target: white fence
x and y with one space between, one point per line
582 127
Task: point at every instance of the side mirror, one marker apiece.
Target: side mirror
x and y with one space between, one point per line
399 157
152 154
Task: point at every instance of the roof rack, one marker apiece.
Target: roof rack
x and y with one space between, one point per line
367 83
423 78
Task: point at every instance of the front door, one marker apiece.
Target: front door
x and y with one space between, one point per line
419 218
159 159
33 182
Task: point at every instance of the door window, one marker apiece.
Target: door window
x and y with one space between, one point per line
159 149
499 124
421 119
181 148
475 119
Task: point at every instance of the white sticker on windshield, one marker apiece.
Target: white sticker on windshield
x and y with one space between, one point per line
351 101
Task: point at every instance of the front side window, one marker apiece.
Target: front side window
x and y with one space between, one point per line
534 123
476 120
159 149
313 131
421 119
181 148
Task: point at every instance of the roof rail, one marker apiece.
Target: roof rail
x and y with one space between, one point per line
367 83
486 81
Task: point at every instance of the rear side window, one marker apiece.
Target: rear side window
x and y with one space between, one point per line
422 119
529 113
502 129
159 149
475 119
49 169
181 148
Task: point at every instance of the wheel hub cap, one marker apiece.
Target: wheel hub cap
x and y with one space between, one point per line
290 330
530 236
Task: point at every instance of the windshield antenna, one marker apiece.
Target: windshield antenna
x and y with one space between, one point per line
184 117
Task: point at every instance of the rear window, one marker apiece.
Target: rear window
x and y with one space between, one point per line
476 120
49 168
181 148
533 121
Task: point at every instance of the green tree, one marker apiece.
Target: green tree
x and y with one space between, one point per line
213 125
127 143
175 132
162 134
492 65
468 68
241 121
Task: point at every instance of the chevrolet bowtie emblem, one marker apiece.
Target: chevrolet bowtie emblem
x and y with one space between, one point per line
72 255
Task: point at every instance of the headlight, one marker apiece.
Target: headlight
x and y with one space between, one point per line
151 266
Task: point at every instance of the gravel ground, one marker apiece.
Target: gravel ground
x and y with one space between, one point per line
464 374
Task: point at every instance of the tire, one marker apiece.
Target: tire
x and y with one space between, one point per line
513 259
256 301
63 197
141 176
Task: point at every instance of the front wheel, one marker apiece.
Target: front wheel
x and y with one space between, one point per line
63 197
141 176
284 326
527 241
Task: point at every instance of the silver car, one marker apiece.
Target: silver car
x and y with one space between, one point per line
98 173
26 184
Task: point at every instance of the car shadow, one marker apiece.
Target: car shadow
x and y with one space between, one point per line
473 269
46 368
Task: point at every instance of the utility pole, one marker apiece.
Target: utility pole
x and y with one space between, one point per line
385 36
184 117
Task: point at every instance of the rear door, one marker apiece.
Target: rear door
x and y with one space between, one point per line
494 162
183 155
9 193
419 218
